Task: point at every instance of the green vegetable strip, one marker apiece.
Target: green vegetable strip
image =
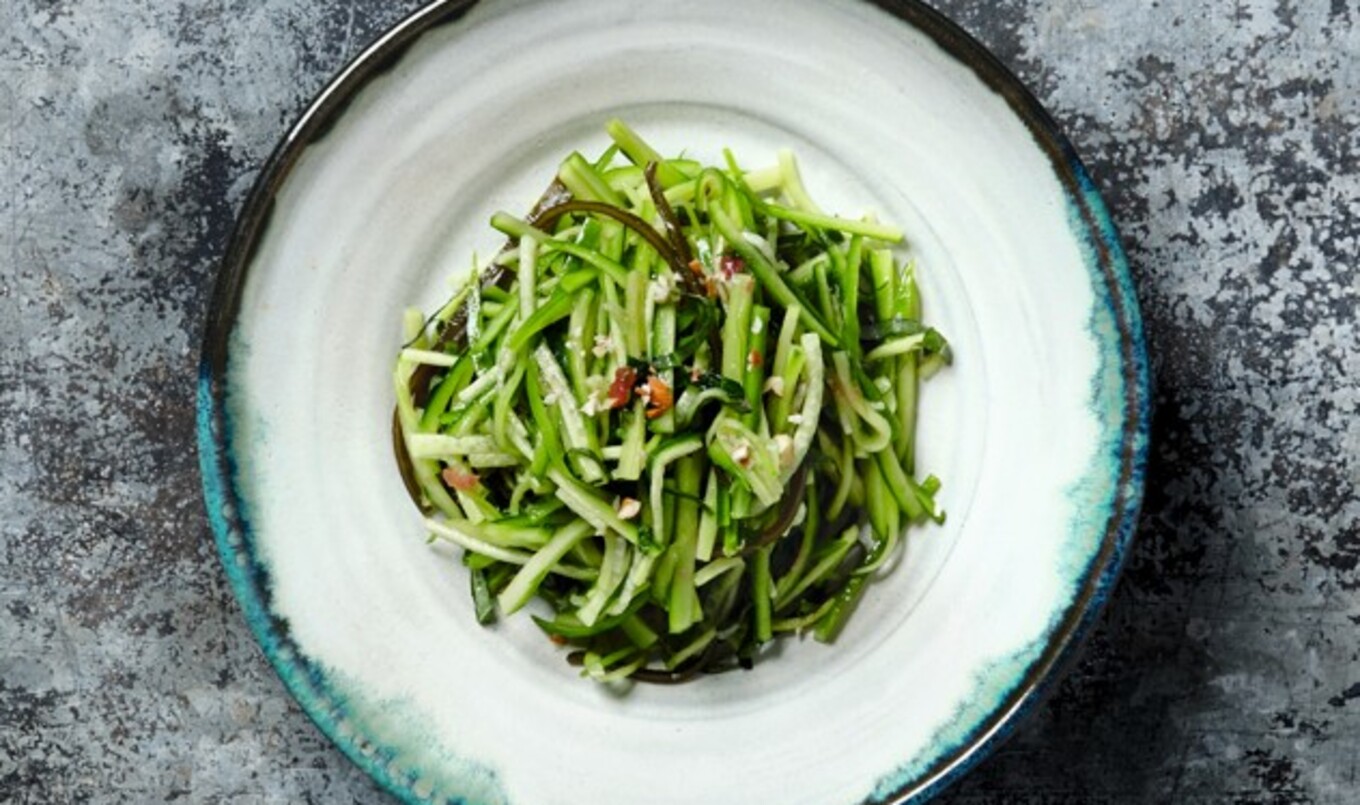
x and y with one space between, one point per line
788 331
903 346
413 326
483 602
880 498
684 609
589 507
549 443
474 502
792 182
670 451
747 457
856 410
556 309
640 153
850 296
663 343
567 625
811 523
425 356
633 456
573 424
884 274
453 381
812 404
831 621
437 445
708 520
693 649
635 314
607 322
460 532
426 472
494 328
737 326
596 669
887 543
584 181
639 576
801 623
528 275
505 396
631 175
804 273
830 558
907 306
899 485
606 159
756 357
812 220
760 594
612 569
716 568
823 288
639 632
782 405
526 581
661 579
580 341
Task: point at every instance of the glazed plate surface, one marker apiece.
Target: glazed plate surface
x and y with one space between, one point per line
382 193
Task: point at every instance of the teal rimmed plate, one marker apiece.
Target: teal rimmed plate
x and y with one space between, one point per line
381 192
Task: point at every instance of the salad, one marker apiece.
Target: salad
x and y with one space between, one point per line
678 407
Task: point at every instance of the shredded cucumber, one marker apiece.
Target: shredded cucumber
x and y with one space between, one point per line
678 411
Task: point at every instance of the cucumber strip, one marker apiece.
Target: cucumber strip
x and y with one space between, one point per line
791 182
584 181
812 521
573 424
640 153
830 559
755 364
716 568
525 583
708 521
760 594
670 451
819 221
612 569
811 412
457 533
692 648
434 445
684 608
528 275
589 507
428 357
635 583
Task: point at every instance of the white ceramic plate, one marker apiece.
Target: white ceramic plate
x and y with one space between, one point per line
382 192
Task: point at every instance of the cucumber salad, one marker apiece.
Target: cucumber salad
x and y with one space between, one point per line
678 407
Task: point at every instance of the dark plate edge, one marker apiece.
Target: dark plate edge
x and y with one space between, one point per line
1103 571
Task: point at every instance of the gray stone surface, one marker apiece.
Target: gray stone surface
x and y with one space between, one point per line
1223 135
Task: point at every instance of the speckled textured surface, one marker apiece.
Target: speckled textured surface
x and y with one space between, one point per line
1225 141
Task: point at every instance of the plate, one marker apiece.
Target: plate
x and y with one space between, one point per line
381 193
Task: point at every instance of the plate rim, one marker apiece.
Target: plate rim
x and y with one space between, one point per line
250 580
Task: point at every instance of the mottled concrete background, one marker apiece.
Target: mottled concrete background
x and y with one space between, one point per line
1223 134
